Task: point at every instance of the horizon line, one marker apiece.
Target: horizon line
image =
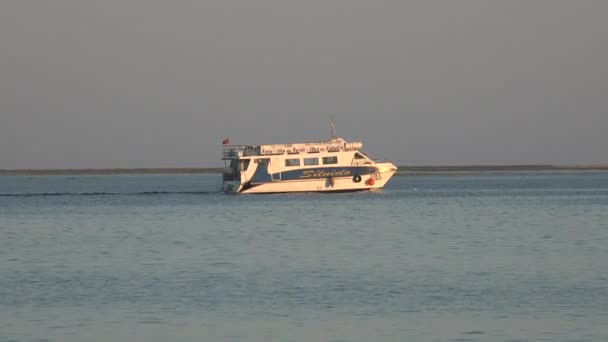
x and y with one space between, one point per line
401 168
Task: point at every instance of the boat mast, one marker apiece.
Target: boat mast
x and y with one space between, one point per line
333 128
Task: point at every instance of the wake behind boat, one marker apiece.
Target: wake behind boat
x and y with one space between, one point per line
325 166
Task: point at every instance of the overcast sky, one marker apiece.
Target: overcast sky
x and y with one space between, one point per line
157 83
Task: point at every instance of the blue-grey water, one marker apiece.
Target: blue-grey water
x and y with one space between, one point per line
465 257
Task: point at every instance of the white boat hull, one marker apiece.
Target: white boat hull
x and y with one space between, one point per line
328 184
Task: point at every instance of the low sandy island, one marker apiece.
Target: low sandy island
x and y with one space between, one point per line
402 169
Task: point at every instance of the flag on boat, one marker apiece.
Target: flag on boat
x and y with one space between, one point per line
226 141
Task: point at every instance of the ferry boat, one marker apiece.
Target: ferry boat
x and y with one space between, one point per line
324 166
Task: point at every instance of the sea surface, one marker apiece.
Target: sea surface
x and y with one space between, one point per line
519 256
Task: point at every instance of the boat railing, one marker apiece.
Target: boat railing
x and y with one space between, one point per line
233 151
338 145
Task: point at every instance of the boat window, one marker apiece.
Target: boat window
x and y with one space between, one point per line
359 156
234 166
311 161
292 162
245 164
330 160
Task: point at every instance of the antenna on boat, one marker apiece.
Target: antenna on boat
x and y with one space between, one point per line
333 127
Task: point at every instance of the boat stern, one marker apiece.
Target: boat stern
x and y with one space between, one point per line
231 187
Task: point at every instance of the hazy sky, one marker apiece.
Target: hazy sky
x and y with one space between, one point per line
157 83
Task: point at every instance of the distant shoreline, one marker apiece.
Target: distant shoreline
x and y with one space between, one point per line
402 169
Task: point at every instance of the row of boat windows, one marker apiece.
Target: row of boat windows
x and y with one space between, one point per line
243 164
311 161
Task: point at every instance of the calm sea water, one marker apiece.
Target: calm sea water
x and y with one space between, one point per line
470 257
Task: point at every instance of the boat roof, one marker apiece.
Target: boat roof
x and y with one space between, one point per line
332 145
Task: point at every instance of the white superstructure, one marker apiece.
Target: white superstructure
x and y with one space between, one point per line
333 165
